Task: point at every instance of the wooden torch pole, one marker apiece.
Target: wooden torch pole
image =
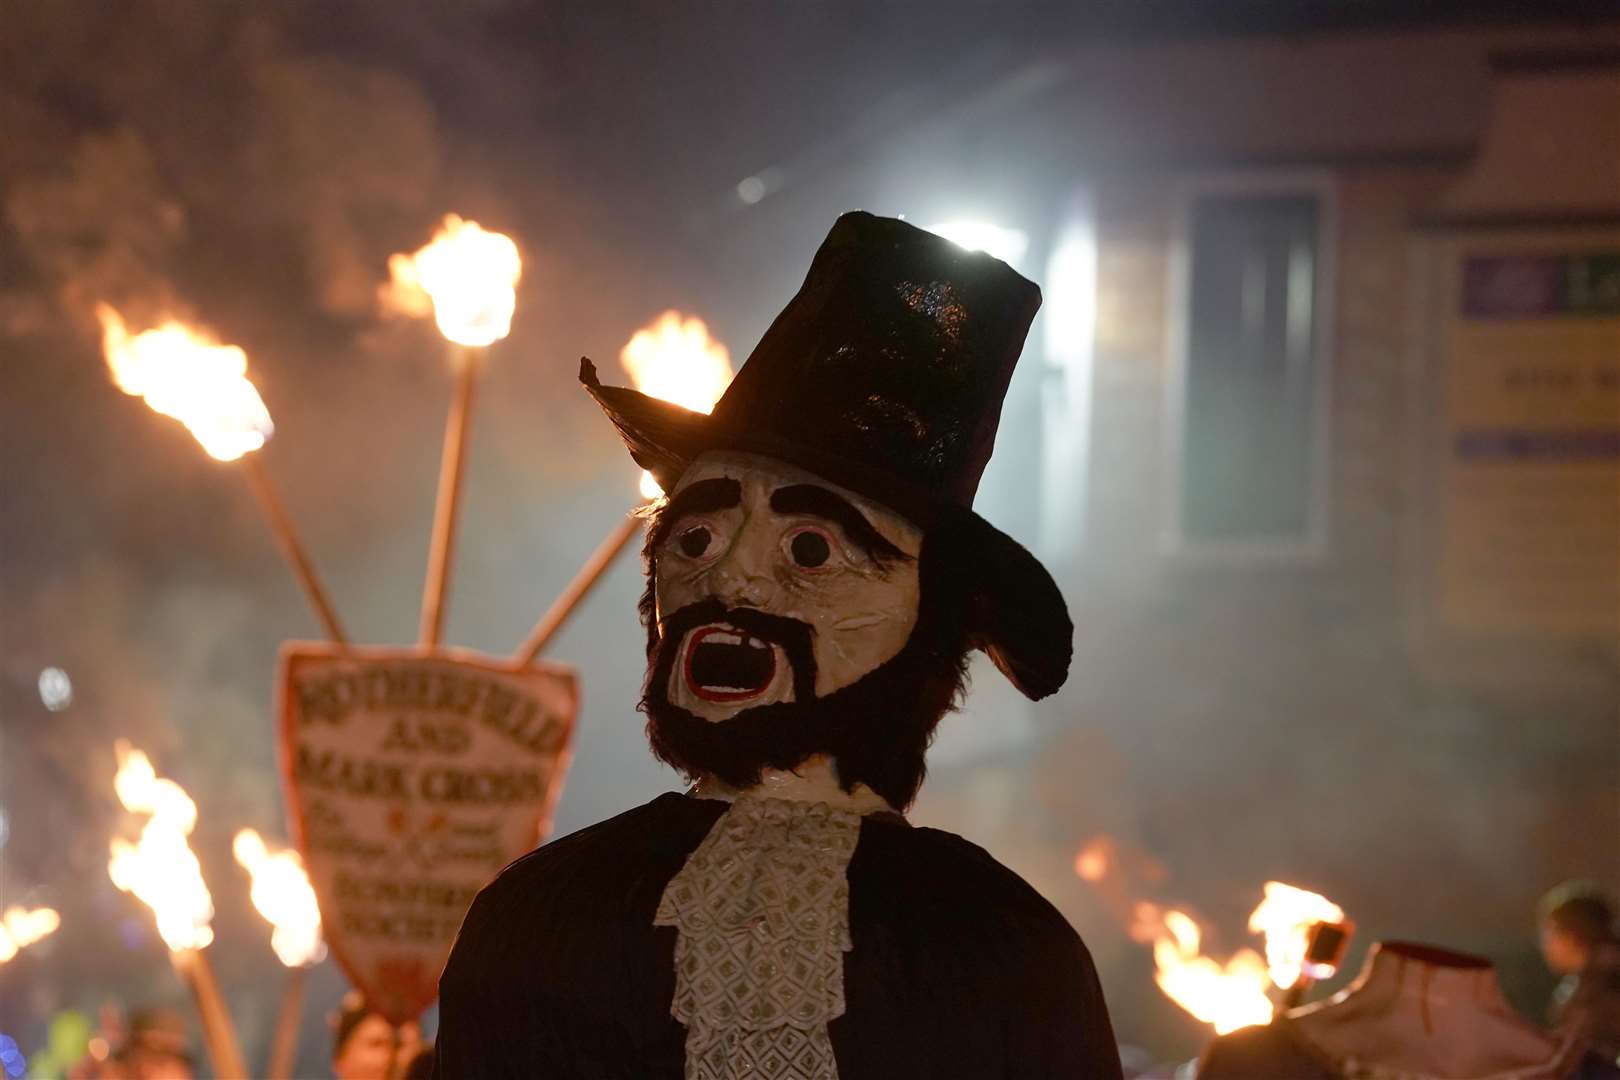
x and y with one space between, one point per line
281 526
583 583
218 1032
284 1047
448 508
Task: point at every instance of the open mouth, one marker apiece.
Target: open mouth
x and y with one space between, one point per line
724 664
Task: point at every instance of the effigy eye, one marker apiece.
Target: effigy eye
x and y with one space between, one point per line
694 542
809 549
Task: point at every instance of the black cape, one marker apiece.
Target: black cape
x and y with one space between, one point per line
959 968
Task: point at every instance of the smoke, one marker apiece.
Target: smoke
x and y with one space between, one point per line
148 134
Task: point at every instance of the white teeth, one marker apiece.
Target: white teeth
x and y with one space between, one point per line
729 637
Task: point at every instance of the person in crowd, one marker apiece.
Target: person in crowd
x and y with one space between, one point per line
364 1042
1580 940
155 1048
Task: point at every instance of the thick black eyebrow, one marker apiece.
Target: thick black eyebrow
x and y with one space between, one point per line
822 503
703 497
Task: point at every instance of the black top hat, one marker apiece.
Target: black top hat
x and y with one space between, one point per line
885 374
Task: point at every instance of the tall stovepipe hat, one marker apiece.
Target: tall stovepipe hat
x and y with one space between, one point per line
885 374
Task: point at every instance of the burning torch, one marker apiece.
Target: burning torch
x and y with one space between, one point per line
675 359
282 893
21 927
184 374
467 276
163 872
1306 938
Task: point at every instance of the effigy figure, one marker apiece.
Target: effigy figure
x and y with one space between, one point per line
816 582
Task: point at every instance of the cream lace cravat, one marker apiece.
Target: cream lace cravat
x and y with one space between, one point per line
761 911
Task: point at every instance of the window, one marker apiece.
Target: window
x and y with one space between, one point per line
1248 412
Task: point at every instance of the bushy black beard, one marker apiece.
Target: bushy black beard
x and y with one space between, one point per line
876 730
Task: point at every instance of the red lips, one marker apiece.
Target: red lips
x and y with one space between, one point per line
737 669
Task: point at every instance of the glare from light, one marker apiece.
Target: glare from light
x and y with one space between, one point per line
1069 324
751 189
55 689
1095 859
1008 245
650 487
20 927
11 1057
5 827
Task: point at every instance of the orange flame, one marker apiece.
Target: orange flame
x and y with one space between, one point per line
186 375
1227 996
21 927
1285 917
466 275
160 868
650 489
675 359
282 893
1095 859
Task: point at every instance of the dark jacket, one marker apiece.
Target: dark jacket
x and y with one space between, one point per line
959 968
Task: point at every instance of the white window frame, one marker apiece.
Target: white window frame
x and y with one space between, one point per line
1313 545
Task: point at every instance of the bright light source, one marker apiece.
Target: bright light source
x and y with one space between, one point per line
750 190
186 374
675 359
161 869
1070 318
466 275
282 893
650 488
1285 917
55 689
1008 245
11 1057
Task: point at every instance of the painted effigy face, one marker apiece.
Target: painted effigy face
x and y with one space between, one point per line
775 586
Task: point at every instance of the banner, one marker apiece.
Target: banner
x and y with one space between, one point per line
412 777
1529 505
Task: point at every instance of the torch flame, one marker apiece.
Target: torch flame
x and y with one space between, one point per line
675 359
20 928
1095 859
186 375
1285 917
282 893
650 488
467 275
161 869
1227 996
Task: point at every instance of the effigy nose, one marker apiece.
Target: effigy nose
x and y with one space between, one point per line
741 578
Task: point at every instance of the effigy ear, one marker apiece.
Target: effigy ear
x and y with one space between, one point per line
1014 611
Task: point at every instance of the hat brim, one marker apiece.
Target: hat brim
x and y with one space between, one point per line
1016 615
